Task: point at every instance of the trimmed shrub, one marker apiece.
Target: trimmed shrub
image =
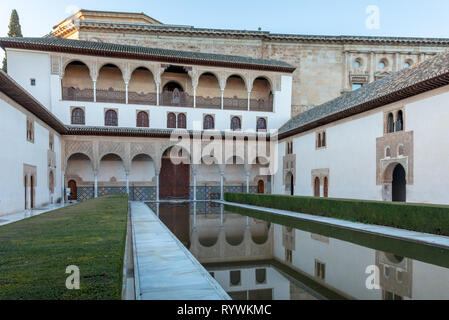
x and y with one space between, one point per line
418 217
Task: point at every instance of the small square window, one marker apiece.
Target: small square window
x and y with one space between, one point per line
261 276
235 278
33 82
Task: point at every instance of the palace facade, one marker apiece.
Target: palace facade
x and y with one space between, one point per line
92 108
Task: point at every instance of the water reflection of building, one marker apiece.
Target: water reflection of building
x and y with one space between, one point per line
341 266
260 283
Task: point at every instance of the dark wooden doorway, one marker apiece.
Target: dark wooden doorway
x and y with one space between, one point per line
326 188
73 191
32 192
316 192
174 180
399 184
261 187
26 192
292 185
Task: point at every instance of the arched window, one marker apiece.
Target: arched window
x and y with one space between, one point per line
143 119
388 152
323 139
400 121
182 121
319 140
390 125
110 118
171 120
51 182
236 123
78 116
208 122
261 124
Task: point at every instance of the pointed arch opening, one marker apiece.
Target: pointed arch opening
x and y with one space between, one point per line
142 87
110 85
261 95
208 93
77 84
235 94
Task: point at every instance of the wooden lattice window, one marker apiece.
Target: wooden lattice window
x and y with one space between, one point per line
78 116
261 124
143 120
111 118
182 121
236 124
171 120
208 122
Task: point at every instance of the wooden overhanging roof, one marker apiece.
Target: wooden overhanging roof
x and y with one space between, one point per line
92 48
424 76
14 91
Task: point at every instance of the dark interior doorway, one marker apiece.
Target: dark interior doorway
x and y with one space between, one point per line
399 184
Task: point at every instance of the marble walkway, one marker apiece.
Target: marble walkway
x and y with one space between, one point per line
426 238
10 218
163 268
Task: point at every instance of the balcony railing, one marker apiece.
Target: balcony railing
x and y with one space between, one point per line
208 103
178 99
110 95
142 98
261 105
235 104
181 99
76 94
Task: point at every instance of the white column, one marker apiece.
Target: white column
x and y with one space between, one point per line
247 182
194 97
157 187
222 99
127 182
249 100
63 187
221 186
126 94
95 90
96 184
157 93
194 186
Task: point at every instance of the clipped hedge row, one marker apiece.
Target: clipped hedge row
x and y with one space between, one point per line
418 217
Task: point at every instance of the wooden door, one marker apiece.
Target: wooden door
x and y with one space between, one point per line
32 192
316 192
174 180
73 190
261 187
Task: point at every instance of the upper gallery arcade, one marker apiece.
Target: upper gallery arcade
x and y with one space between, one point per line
86 75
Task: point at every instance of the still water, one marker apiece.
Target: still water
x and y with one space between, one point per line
254 259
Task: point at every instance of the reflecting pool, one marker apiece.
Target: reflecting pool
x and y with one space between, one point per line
253 258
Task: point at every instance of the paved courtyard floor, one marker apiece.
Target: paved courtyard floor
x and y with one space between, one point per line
10 218
163 267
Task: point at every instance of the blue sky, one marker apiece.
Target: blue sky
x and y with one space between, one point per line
415 18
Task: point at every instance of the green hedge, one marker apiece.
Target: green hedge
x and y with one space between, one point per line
418 217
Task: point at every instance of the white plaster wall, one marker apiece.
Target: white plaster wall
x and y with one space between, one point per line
17 151
142 171
111 169
81 168
350 156
428 118
430 282
25 65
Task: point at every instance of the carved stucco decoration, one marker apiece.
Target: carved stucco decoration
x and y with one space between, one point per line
321 174
83 147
